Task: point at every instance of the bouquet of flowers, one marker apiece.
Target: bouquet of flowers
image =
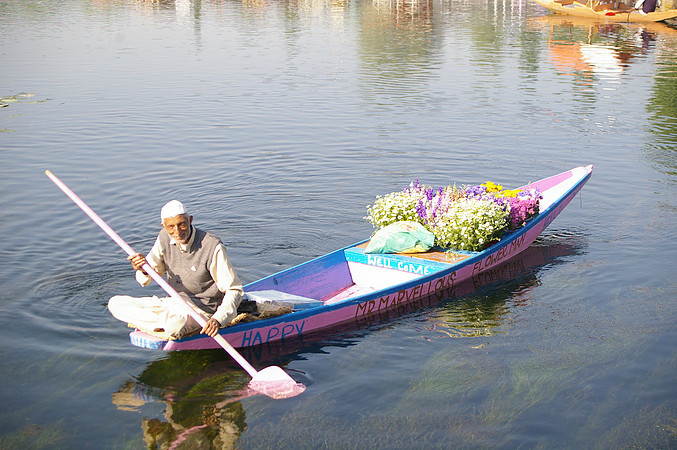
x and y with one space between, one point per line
468 218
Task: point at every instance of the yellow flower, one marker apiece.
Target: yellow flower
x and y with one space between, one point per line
492 187
510 193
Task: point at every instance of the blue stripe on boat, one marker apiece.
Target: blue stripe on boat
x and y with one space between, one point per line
395 261
143 340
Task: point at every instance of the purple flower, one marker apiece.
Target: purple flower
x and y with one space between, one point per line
412 187
475 192
421 209
522 208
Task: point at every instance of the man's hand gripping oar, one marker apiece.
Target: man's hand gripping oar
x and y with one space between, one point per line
212 326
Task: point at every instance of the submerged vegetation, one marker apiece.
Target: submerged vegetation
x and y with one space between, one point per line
21 97
35 437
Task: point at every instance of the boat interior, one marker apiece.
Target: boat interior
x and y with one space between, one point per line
348 273
351 272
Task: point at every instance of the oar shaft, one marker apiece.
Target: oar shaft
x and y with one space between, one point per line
90 212
150 271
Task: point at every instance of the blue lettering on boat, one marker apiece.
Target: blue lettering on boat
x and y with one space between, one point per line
250 338
287 330
271 335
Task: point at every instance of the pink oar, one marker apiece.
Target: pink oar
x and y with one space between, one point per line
271 381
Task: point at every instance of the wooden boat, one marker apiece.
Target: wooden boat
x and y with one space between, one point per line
349 286
593 28
604 10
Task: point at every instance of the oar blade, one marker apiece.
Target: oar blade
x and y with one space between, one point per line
275 383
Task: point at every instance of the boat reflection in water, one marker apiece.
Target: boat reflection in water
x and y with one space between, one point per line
478 305
588 49
193 397
199 408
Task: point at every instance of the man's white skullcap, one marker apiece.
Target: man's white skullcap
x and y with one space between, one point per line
172 209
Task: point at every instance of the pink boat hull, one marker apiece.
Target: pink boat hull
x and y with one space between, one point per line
406 282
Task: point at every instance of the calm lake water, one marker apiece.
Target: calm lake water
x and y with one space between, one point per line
277 122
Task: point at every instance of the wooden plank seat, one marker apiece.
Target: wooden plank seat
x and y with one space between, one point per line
272 299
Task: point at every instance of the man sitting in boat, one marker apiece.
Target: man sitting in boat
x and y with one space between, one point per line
197 267
647 6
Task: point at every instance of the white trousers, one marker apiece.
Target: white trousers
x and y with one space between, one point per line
153 314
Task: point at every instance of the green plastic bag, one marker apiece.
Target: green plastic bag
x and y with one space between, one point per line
401 237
